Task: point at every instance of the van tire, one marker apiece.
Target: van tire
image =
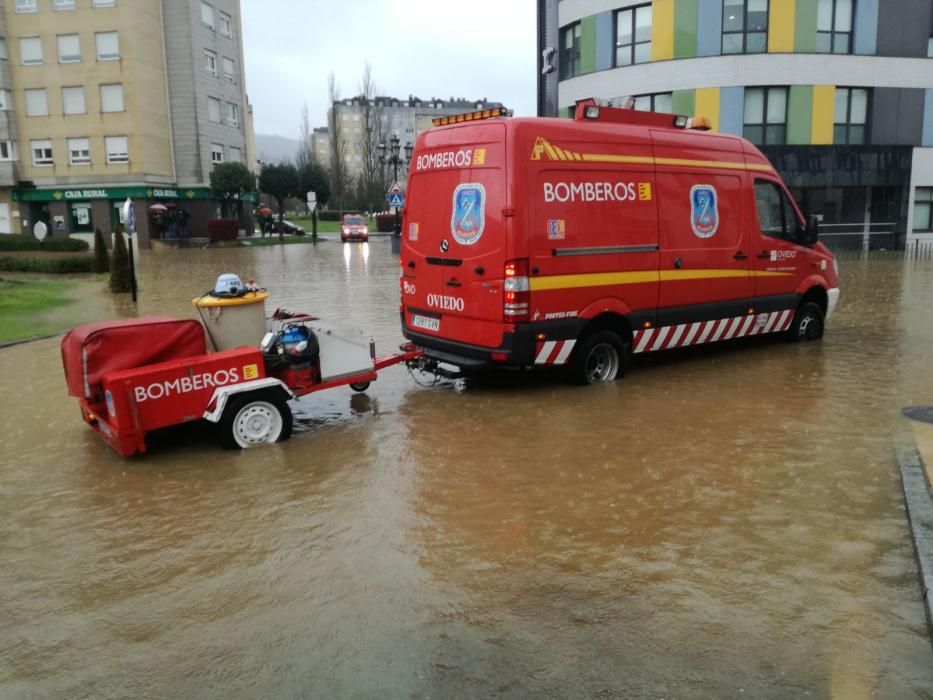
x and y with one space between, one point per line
255 418
808 324
599 358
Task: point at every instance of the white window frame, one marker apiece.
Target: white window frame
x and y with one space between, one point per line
210 62
10 148
24 7
231 76
211 101
36 93
63 5
6 99
116 157
207 11
102 53
73 89
81 159
34 62
3 52
43 161
69 58
122 100
103 3
217 153
233 114
224 24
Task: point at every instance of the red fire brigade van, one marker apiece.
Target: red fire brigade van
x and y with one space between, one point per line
540 242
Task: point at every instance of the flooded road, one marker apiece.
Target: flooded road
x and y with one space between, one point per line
721 523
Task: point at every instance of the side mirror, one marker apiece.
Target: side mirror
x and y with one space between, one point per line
812 232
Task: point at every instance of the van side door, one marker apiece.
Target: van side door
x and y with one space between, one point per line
779 262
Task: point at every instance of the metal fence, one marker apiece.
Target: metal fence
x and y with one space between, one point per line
862 236
913 250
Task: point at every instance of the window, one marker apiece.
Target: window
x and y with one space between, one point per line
8 150
657 102
745 26
3 54
27 5
81 217
766 115
79 152
108 46
111 98
233 114
30 51
213 109
226 26
229 70
633 35
217 153
210 62
41 152
570 51
117 149
207 15
69 48
929 48
73 100
776 215
834 26
37 103
6 100
851 115
103 3
64 4
236 155
923 209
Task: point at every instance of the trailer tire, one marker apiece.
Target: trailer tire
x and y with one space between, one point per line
599 358
808 323
255 418
360 386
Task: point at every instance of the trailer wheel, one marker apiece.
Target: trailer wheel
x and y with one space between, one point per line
360 386
808 323
598 359
255 418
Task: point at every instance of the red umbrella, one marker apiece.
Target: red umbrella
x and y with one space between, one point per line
265 211
158 209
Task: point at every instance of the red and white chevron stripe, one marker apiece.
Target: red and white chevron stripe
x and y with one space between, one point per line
553 352
669 337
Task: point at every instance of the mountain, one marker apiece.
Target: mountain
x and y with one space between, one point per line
273 149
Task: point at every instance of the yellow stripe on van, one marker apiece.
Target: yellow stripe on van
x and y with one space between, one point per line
609 279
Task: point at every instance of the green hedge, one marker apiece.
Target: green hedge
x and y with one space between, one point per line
19 241
335 215
56 265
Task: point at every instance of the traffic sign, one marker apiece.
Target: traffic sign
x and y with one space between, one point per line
395 188
129 215
396 199
40 230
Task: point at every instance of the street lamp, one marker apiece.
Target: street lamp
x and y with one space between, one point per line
394 159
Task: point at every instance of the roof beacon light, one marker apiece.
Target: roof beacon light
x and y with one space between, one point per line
680 121
472 116
699 124
592 112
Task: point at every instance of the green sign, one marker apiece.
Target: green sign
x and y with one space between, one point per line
73 194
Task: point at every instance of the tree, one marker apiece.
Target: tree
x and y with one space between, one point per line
374 131
230 181
313 178
280 182
305 145
119 264
101 256
338 148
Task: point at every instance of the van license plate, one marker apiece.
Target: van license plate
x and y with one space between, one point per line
430 324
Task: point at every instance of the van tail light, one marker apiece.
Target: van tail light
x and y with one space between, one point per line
517 291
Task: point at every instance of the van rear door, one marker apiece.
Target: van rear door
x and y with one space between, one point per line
454 235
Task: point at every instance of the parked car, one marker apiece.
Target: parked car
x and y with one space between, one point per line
288 228
354 228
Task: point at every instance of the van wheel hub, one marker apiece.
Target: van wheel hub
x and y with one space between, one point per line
602 363
257 423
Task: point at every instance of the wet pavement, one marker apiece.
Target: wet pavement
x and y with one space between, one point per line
723 522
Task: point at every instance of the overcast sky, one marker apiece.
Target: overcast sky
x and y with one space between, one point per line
428 48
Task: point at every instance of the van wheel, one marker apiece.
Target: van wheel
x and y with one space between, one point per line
598 359
808 323
255 418
359 386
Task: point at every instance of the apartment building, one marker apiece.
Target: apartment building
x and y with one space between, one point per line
837 93
110 99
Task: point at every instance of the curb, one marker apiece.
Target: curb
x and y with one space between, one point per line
31 340
919 502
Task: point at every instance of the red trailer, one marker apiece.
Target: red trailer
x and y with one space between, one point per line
133 377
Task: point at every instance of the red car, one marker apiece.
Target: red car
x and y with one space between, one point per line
354 228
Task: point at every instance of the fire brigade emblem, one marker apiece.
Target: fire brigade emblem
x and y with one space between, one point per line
469 215
704 210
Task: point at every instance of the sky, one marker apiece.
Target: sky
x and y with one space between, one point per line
427 48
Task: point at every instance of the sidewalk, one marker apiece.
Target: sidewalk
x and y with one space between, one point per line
915 459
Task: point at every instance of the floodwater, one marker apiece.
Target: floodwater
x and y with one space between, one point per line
721 523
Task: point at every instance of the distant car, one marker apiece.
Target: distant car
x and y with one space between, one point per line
354 228
288 228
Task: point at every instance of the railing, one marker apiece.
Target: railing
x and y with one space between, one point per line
916 249
863 236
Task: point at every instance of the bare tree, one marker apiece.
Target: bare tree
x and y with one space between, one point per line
374 131
305 146
338 148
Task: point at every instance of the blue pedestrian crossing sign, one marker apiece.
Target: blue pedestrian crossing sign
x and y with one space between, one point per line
396 199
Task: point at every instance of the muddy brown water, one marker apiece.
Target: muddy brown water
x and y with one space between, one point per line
722 523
